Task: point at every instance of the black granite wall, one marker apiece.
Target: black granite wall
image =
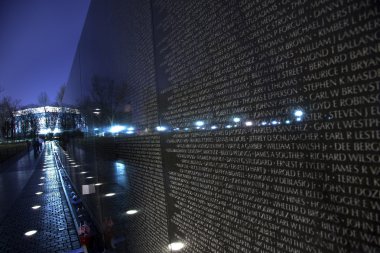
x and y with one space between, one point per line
298 170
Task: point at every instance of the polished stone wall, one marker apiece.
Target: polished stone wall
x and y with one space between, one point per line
272 118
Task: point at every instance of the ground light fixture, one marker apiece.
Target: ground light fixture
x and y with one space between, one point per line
41 184
248 123
131 212
110 194
236 120
97 184
39 193
30 233
35 207
176 246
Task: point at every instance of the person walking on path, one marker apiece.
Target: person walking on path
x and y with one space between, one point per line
36 147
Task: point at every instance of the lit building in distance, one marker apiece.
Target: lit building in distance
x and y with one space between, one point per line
47 120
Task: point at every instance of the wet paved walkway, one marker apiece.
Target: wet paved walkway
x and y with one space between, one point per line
20 179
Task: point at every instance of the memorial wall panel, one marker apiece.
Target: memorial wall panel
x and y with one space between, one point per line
285 156
139 63
147 232
272 117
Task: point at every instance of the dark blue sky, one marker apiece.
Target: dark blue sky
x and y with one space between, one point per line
38 39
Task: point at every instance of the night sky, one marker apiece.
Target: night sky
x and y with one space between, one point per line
38 39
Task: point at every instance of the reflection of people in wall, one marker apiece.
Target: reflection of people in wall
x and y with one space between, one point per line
113 240
108 233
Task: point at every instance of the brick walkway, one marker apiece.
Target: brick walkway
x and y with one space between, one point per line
55 228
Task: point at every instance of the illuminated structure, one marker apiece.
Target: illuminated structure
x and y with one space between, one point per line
47 120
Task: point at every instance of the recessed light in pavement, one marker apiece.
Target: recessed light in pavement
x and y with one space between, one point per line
42 177
35 207
30 233
39 193
97 184
41 184
83 172
110 194
89 177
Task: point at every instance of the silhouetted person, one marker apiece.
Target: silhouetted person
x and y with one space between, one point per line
28 145
40 141
36 147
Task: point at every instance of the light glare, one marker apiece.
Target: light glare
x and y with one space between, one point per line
175 246
30 233
199 123
130 212
298 113
161 128
117 129
248 123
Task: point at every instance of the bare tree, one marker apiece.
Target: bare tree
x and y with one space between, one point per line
60 95
8 106
110 98
43 99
